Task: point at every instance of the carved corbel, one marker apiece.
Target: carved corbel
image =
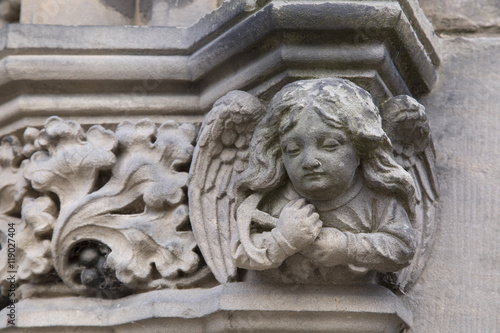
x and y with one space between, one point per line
108 211
323 188
326 188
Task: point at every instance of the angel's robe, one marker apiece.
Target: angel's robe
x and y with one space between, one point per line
363 232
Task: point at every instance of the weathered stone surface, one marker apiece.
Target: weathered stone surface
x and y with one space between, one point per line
107 210
466 16
175 13
78 12
239 307
459 290
178 13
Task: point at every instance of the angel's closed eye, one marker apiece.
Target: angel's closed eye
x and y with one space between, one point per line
291 148
330 144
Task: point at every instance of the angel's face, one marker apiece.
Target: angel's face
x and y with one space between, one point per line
320 160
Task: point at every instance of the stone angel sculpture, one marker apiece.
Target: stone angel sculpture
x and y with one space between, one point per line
310 192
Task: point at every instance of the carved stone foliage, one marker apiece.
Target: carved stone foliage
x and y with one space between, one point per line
327 189
323 188
107 210
33 230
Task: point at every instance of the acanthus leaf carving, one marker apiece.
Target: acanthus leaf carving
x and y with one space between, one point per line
68 161
13 186
29 218
139 216
120 223
33 240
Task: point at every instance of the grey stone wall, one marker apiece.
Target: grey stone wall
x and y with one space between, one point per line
109 12
460 289
463 16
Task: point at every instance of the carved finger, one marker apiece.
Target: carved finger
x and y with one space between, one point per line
294 203
310 209
300 203
318 224
314 216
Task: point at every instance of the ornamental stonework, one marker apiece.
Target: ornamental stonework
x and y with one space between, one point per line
260 159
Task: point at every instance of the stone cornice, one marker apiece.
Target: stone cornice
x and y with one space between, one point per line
385 46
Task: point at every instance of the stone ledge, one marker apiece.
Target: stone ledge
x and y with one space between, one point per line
233 307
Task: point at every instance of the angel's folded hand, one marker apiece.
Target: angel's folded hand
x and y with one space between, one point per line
299 223
329 248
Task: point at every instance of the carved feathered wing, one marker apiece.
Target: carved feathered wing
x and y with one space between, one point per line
406 124
219 156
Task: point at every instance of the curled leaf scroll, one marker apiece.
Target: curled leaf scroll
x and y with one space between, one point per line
108 208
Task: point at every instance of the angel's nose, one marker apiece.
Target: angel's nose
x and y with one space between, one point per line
309 162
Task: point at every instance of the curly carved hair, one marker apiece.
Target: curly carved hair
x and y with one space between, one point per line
342 105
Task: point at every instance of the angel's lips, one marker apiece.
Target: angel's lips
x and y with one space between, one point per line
314 175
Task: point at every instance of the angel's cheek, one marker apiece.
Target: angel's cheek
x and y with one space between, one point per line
334 175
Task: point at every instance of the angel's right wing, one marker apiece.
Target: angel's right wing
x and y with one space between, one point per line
406 124
219 156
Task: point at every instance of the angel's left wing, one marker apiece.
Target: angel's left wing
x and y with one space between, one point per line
219 156
405 122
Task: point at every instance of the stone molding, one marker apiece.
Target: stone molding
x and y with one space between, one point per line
387 48
237 307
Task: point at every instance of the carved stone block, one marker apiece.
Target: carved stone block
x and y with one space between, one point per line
267 164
